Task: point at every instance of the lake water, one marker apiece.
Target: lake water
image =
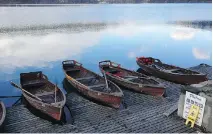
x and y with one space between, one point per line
91 33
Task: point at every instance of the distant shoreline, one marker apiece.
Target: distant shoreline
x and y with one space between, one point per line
85 4
205 25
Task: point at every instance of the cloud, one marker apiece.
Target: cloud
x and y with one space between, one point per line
182 34
2 10
131 55
29 50
144 48
39 51
201 54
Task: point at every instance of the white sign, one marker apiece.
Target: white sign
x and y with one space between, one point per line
198 101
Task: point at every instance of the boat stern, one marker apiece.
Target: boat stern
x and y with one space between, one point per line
56 116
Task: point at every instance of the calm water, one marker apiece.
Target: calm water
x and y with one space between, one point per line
116 32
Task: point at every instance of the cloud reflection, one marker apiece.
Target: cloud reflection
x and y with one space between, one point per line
180 35
131 55
131 29
201 53
138 51
28 50
38 51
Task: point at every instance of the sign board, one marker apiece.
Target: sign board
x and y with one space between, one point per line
190 99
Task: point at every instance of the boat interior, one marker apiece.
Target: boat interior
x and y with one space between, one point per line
173 69
38 85
130 76
157 64
90 79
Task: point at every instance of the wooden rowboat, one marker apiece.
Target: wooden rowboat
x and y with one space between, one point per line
42 94
91 84
131 79
168 72
2 114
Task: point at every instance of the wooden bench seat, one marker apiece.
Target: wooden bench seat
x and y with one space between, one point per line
99 85
72 69
85 78
130 77
171 70
33 83
45 93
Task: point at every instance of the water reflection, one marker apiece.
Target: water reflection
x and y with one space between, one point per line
183 34
18 51
40 51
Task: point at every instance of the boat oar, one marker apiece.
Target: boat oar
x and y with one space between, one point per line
15 85
16 102
106 80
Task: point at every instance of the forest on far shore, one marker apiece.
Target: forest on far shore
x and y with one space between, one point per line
98 1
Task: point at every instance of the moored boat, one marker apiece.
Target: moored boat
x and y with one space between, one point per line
91 84
2 114
169 72
131 79
41 94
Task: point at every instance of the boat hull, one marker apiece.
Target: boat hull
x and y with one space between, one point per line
111 100
150 90
52 111
180 79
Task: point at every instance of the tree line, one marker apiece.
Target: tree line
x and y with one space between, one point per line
98 1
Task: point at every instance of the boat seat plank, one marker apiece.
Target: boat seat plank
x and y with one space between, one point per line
130 77
171 70
99 85
113 71
85 78
45 93
33 83
72 69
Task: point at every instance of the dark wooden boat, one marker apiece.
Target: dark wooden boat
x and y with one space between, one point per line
91 84
42 94
168 72
131 79
2 114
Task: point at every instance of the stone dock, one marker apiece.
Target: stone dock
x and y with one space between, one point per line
140 113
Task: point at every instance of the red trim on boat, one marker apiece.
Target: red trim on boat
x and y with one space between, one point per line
107 73
118 74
